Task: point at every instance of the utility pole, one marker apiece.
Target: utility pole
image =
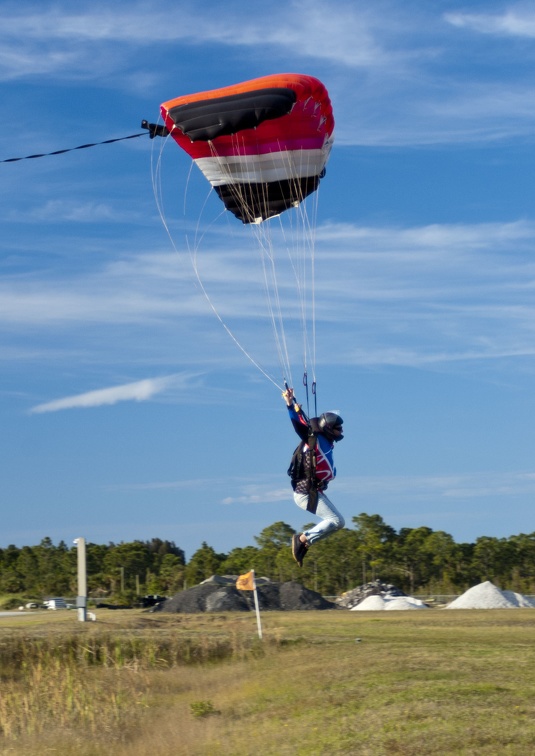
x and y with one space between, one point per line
81 600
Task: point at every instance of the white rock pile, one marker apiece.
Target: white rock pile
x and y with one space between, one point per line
378 603
350 599
487 596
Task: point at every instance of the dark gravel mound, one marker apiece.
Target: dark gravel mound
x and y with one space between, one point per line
225 600
190 601
213 597
294 596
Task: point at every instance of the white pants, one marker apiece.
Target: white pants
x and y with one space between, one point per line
331 519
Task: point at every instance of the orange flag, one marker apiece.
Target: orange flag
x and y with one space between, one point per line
246 582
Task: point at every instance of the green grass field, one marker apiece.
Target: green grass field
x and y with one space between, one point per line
132 684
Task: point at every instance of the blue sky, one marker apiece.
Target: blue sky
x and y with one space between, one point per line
126 410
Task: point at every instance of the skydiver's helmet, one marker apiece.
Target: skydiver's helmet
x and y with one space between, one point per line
330 424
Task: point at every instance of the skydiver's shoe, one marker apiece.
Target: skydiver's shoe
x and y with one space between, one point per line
299 549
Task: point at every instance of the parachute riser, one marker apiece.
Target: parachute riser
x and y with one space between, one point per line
313 391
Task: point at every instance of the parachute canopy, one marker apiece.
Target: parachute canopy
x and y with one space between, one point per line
262 144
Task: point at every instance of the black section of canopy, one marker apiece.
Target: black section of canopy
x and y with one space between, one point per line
249 202
207 119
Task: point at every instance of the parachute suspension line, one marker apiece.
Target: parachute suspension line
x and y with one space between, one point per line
156 170
312 238
264 242
273 296
264 233
300 249
157 189
186 189
264 238
303 228
305 280
294 253
292 244
156 176
307 227
193 255
309 327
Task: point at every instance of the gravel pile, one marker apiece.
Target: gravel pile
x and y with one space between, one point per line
379 603
214 596
295 597
231 580
487 596
357 595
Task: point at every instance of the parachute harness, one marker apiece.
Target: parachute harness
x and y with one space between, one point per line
298 468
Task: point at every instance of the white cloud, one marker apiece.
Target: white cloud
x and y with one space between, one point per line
71 211
515 22
349 35
133 289
399 488
139 391
402 488
446 236
411 296
257 494
388 68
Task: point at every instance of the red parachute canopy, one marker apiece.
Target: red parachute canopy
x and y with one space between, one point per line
262 144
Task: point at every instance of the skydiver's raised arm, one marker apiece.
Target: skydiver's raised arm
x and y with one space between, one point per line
289 397
297 416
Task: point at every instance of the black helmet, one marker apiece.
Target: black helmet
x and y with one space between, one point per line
328 422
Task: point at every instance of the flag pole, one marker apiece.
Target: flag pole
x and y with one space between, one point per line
247 582
257 608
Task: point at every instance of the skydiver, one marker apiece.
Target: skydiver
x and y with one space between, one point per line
311 473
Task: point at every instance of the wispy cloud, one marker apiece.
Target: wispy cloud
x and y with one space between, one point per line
138 391
412 296
257 494
518 21
402 488
388 67
379 490
349 35
58 211
261 491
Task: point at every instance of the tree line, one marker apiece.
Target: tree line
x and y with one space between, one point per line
417 560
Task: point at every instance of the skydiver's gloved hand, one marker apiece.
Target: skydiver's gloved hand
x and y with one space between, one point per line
288 397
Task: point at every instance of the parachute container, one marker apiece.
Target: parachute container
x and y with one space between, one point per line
262 144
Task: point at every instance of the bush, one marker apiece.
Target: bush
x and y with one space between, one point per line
8 603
